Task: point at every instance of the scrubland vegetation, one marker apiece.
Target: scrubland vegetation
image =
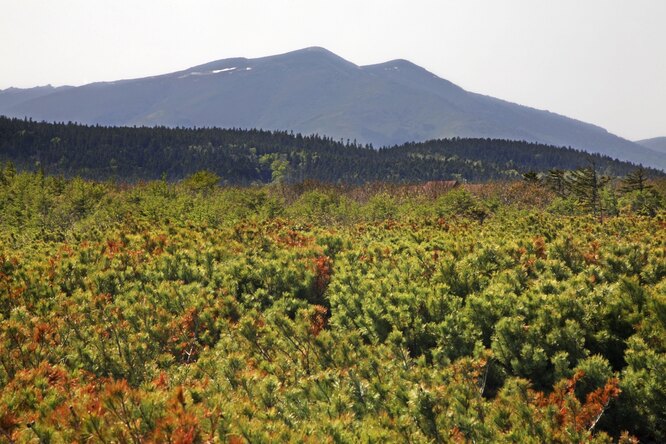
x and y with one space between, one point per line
188 312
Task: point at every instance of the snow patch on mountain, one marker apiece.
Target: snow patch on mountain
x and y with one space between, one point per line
217 71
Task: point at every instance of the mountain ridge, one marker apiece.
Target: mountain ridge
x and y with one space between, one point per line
656 144
315 91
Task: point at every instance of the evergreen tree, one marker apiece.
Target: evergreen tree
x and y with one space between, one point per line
531 177
635 181
557 181
587 185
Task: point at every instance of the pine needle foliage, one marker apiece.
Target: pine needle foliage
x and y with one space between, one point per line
163 312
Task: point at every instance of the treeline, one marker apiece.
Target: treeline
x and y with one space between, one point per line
586 189
256 156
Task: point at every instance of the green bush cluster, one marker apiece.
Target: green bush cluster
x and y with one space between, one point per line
194 313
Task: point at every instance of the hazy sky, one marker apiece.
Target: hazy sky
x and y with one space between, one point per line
601 61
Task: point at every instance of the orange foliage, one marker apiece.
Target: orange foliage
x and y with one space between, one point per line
539 244
323 266
592 256
8 423
570 413
235 439
178 426
318 320
184 340
113 248
292 238
162 381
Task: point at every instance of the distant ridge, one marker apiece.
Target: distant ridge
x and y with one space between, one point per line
313 90
656 144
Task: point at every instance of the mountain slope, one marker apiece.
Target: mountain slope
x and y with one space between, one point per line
13 96
656 144
315 91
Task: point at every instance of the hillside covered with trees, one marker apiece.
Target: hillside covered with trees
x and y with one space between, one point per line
188 312
255 156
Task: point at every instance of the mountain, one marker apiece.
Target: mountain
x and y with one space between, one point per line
315 91
656 144
13 96
249 156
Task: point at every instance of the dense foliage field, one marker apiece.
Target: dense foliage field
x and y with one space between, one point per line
193 313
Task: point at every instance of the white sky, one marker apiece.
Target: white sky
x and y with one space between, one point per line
601 61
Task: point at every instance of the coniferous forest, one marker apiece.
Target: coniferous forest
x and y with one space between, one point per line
179 310
243 157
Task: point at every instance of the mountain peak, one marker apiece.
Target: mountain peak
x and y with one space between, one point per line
397 65
318 49
310 53
312 90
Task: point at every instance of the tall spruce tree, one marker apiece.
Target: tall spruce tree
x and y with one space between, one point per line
557 181
635 181
587 185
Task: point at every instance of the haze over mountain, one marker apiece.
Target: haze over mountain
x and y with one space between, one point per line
315 91
656 144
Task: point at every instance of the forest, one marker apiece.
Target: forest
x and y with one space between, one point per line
183 311
244 157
